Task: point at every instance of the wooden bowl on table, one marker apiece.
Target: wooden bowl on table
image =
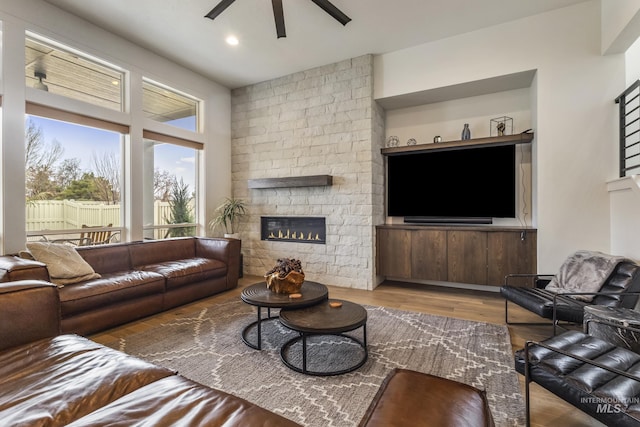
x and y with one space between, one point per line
290 284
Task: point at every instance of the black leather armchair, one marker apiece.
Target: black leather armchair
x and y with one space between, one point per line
594 375
621 289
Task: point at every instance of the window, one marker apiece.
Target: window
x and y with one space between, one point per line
61 70
171 187
166 105
73 178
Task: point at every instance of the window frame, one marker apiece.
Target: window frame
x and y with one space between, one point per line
52 113
149 135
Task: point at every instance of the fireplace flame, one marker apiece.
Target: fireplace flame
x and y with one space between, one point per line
295 235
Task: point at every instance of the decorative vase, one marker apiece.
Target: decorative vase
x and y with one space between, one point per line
466 132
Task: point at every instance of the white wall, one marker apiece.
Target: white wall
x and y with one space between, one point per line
625 192
40 17
632 58
423 122
620 25
574 150
625 205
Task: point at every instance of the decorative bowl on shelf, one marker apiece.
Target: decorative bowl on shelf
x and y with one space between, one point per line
290 284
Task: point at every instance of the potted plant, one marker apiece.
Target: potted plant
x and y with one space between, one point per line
228 216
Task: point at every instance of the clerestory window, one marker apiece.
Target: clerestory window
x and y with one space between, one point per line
52 67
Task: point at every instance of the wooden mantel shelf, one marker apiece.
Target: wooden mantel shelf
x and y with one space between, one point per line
519 138
293 181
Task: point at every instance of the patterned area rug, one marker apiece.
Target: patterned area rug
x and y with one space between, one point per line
206 346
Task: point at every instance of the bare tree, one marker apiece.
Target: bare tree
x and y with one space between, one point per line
68 171
33 143
163 182
107 177
40 159
39 154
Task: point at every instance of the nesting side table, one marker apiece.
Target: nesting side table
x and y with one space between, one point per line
260 296
324 320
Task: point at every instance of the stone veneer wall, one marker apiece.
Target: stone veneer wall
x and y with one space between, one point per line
322 121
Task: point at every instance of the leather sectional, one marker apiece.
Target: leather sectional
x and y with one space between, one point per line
52 378
137 279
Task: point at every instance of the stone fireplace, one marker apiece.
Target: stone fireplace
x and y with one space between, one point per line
296 229
324 123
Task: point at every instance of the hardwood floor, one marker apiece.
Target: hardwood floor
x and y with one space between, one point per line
546 409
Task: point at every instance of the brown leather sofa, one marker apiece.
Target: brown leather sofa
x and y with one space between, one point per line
137 279
53 380
47 379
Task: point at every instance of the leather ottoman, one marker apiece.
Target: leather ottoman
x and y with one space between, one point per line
408 398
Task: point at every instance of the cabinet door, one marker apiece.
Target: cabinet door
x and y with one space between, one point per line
429 255
467 256
394 253
511 252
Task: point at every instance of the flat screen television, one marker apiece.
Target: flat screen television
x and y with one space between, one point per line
463 185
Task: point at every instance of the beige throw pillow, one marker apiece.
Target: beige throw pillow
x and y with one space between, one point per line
64 263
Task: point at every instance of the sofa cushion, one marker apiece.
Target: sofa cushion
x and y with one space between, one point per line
621 286
107 258
178 401
65 265
111 288
158 251
186 271
540 301
55 381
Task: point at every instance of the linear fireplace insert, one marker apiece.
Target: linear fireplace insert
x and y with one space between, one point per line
298 229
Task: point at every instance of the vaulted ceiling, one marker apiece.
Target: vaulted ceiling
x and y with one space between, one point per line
178 30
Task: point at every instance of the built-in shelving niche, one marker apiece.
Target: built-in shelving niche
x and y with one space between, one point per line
520 138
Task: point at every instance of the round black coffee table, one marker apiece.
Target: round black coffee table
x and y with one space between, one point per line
323 320
260 296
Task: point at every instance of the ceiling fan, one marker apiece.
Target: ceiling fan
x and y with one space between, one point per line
278 14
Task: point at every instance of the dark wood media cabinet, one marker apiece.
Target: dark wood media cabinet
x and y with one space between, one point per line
481 255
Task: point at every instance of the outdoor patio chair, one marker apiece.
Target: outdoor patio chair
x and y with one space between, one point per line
95 237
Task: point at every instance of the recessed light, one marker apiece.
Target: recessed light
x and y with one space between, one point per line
232 40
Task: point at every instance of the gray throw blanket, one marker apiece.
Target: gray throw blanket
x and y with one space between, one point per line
584 271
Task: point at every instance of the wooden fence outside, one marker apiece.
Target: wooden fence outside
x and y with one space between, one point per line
69 214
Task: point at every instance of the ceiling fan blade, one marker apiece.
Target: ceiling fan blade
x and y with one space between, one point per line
336 13
220 7
278 15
